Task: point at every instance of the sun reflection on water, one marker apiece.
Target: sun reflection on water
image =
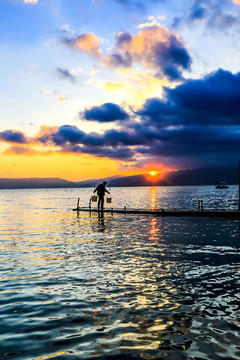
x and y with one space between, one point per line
153 197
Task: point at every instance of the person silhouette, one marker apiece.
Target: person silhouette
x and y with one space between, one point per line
100 189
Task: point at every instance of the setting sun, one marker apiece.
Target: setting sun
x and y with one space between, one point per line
153 173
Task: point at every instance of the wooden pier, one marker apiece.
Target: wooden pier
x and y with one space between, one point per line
226 214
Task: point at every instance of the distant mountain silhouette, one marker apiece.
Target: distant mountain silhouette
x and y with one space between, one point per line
137 180
95 182
28 183
118 181
205 176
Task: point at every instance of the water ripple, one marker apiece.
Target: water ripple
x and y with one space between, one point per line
118 287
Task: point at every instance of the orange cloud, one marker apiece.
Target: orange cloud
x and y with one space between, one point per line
142 44
155 47
87 43
44 134
21 150
236 1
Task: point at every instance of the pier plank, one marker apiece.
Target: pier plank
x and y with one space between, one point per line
231 214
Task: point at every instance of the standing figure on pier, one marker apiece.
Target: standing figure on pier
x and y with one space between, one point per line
100 193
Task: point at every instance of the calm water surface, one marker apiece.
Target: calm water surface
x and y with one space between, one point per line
119 286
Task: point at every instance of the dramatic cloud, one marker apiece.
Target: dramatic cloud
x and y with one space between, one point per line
158 112
195 146
13 136
70 139
216 97
121 153
64 73
107 112
156 47
213 100
68 135
86 43
59 136
196 123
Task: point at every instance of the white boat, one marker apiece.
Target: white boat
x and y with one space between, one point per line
221 185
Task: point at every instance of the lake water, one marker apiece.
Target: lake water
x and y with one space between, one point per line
119 286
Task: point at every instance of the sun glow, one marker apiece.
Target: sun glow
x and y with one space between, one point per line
153 173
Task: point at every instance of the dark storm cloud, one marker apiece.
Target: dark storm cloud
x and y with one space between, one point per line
213 100
157 109
196 122
118 153
182 142
65 74
196 145
13 136
123 137
172 58
68 133
71 135
199 119
64 134
107 112
159 114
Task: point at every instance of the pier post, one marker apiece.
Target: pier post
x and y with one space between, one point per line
200 204
239 186
78 203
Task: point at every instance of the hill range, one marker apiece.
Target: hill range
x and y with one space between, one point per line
206 176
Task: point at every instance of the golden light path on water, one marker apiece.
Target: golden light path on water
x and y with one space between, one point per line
117 286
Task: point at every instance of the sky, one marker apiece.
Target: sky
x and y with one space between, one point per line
98 88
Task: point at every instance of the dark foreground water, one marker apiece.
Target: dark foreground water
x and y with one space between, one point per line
119 286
